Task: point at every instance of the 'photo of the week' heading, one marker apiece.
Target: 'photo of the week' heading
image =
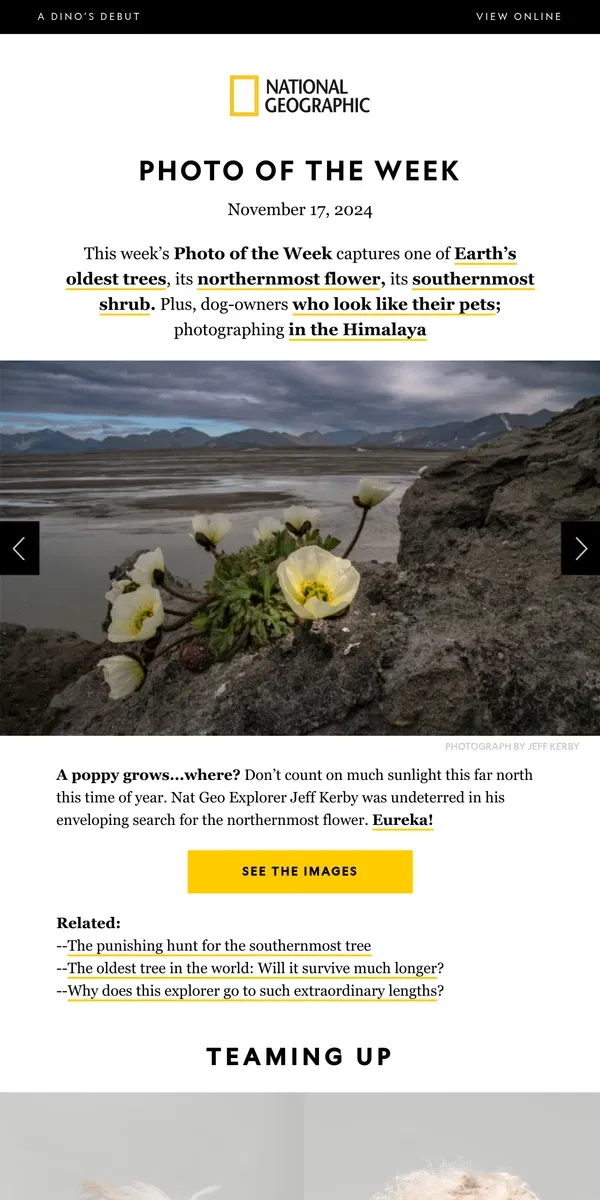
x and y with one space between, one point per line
410 170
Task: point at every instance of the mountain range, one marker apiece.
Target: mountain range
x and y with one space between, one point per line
451 435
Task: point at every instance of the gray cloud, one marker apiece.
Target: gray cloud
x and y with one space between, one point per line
295 396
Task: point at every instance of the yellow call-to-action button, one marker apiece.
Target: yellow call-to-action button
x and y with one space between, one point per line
290 871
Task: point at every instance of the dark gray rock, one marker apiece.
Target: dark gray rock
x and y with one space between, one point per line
475 632
34 665
480 540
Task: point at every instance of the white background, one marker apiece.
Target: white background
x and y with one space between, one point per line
517 112
503 896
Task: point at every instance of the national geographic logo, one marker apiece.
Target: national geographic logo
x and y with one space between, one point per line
243 96
292 96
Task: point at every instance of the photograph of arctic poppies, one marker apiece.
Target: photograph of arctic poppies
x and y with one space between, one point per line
193 513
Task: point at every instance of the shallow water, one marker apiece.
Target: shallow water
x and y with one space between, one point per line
96 509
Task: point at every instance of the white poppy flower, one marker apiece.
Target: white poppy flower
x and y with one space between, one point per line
267 527
119 586
372 492
317 584
134 1191
210 527
136 616
149 568
299 516
123 674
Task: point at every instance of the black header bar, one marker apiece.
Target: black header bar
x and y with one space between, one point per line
583 19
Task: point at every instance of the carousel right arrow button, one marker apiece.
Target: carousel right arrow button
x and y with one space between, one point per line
580 548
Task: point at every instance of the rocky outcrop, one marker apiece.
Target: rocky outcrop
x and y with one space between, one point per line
34 665
473 632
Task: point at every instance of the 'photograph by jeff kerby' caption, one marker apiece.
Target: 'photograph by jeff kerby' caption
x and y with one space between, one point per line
302 548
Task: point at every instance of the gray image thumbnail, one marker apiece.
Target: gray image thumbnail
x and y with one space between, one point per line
245 1145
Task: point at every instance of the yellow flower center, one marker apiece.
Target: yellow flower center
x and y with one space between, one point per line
314 587
139 618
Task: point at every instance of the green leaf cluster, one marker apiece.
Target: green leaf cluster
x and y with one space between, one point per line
245 603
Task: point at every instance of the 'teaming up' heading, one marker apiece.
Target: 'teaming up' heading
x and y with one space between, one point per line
407 170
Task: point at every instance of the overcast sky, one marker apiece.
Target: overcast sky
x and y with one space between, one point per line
96 398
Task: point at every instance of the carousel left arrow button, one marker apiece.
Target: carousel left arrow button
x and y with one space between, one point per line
19 547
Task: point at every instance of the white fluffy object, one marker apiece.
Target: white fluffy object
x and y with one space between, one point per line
453 1184
134 1191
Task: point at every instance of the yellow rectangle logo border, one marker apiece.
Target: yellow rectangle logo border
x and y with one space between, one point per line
232 82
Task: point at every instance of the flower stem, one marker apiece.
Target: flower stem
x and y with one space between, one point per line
179 593
357 534
302 630
183 617
178 624
178 642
